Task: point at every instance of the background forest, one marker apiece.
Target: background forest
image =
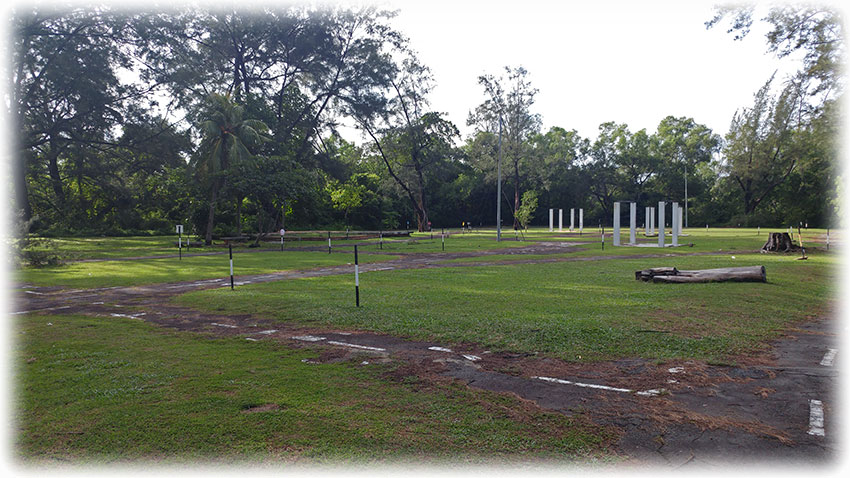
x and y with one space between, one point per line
232 122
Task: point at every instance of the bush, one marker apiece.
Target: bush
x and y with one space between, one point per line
31 250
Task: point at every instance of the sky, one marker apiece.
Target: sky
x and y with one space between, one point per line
592 61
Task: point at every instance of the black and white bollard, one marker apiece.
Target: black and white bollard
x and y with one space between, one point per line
603 237
282 233
230 248
443 241
180 241
329 242
356 278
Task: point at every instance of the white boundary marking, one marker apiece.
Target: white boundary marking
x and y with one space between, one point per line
829 357
40 310
440 349
225 325
364 347
308 338
816 418
645 393
473 358
267 332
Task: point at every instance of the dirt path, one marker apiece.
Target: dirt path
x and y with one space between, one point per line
779 407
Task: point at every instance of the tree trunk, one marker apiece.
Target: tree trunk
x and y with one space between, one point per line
211 217
778 242
239 217
673 275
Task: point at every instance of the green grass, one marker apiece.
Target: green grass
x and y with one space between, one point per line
150 271
103 390
581 311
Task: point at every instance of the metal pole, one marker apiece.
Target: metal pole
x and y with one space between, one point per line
356 278
686 197
230 248
499 188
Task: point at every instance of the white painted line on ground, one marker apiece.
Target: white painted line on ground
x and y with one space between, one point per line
816 418
34 292
225 325
473 358
676 369
439 349
96 303
251 339
364 347
829 357
267 332
646 393
126 316
308 338
40 310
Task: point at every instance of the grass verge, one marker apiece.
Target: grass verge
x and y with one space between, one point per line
591 310
109 390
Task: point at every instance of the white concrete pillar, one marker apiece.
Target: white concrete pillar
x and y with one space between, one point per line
560 220
681 223
660 223
675 223
551 219
580 220
616 235
647 221
572 218
632 223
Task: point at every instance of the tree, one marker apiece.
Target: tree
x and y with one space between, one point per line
227 139
407 138
815 29
509 104
761 151
682 144
526 210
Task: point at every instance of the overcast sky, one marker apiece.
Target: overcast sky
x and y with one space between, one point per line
632 62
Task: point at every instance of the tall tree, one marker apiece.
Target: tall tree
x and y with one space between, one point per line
509 101
408 138
682 144
227 140
761 151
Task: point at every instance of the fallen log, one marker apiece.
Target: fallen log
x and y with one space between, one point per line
726 274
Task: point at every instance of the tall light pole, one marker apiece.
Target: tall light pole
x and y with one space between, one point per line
686 195
499 188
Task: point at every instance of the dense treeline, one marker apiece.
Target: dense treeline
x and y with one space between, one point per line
229 121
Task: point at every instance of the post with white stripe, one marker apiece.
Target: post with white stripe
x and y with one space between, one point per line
356 278
329 242
230 248
180 241
443 240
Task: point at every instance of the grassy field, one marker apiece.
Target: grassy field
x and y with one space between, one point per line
110 389
576 310
150 271
104 390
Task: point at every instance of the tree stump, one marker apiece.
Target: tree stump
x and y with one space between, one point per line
779 242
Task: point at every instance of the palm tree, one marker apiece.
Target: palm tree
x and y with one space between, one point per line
227 138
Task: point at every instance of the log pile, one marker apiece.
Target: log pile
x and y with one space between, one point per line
779 242
673 275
